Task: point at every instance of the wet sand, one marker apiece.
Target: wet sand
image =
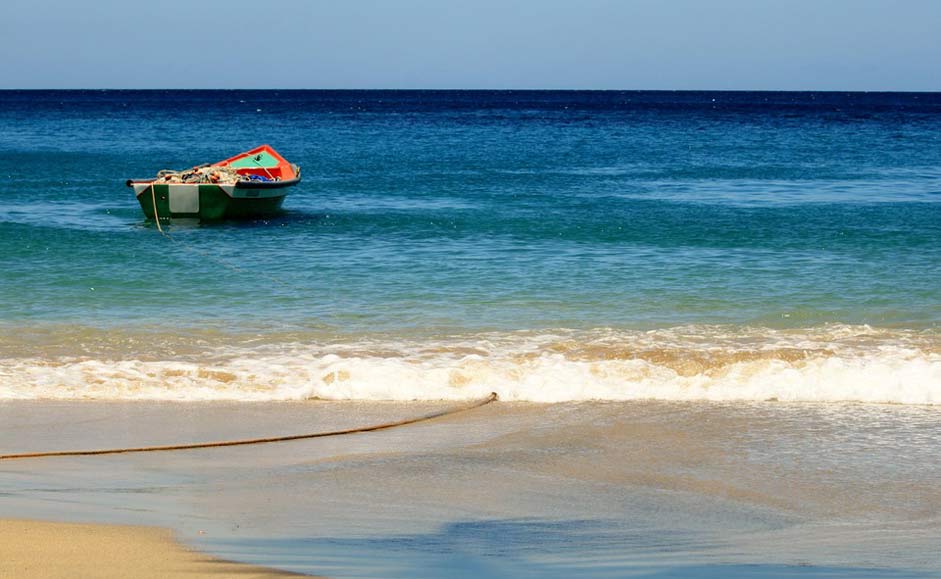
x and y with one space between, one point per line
46 550
508 490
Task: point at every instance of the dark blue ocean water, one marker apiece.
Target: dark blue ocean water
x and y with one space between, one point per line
441 213
483 210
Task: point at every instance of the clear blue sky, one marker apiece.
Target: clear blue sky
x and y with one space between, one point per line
598 44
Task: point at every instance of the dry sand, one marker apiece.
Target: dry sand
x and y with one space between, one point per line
34 549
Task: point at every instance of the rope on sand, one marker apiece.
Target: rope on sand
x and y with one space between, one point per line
265 440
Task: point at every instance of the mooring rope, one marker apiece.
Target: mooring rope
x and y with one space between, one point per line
209 256
153 197
248 441
243 442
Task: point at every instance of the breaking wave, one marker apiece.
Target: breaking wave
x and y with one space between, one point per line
718 363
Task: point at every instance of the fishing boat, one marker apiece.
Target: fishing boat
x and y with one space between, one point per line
250 184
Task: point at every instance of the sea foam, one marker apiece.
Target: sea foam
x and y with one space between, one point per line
831 364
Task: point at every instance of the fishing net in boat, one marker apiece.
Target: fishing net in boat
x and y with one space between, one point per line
205 174
209 174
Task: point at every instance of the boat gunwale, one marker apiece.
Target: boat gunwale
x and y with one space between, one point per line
237 184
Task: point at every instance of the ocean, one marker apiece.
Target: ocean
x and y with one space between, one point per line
741 279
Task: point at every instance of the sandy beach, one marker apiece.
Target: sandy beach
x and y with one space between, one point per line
47 550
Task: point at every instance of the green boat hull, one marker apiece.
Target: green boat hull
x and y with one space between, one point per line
207 202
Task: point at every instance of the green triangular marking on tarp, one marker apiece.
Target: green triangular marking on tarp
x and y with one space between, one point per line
263 159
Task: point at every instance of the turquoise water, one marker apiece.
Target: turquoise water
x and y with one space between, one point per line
441 217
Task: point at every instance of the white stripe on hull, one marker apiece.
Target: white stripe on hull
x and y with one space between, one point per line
230 190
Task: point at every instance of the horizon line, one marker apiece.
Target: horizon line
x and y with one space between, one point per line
439 89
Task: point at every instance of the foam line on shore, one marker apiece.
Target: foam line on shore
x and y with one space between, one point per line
840 363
